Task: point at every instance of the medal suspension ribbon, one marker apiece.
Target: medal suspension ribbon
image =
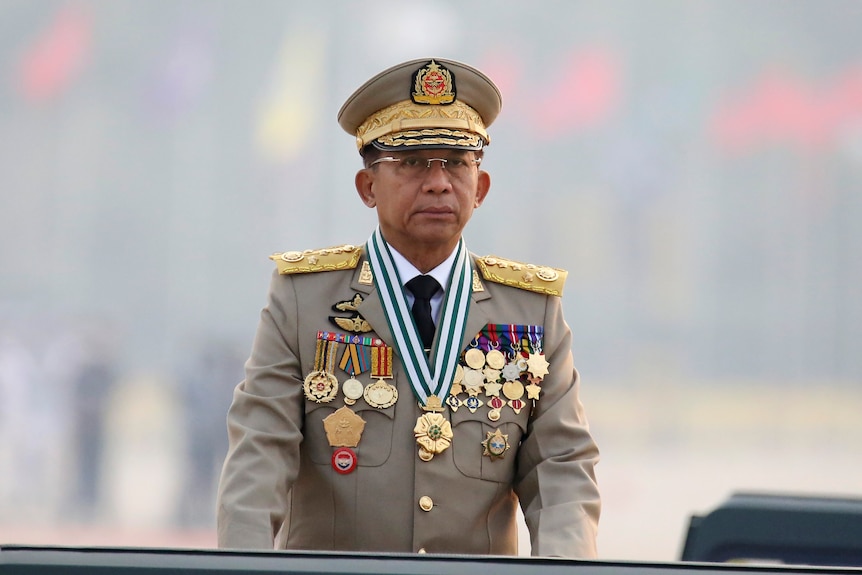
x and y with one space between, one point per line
408 344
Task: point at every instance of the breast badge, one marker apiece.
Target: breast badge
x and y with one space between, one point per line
496 444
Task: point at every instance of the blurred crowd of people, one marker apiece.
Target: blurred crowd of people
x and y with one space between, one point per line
60 385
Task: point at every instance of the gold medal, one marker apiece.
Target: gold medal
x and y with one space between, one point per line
380 395
495 359
473 381
475 358
538 365
533 391
492 389
513 389
491 374
343 428
433 433
352 389
320 387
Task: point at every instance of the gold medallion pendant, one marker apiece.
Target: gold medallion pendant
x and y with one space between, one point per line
320 386
433 434
352 389
380 394
495 359
474 358
496 444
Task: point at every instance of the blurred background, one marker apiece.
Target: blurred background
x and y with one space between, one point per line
695 164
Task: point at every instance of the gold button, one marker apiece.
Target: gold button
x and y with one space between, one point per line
422 551
426 503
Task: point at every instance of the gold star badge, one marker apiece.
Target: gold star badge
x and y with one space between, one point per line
538 365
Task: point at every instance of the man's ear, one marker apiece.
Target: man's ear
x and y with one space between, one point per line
482 187
364 182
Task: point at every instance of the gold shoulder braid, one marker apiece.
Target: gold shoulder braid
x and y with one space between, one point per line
529 277
323 260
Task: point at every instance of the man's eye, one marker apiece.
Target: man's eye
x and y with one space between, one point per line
411 161
457 163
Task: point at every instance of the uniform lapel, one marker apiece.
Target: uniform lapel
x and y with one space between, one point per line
477 318
371 307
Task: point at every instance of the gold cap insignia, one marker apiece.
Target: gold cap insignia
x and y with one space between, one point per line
415 105
433 84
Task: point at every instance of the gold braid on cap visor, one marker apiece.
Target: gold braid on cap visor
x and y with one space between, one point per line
409 124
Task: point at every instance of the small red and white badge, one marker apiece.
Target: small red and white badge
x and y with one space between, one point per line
344 460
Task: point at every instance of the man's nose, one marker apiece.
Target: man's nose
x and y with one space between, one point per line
436 176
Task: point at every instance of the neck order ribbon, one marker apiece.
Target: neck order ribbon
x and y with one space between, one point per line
426 380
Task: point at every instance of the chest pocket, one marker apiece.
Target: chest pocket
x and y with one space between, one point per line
374 446
469 430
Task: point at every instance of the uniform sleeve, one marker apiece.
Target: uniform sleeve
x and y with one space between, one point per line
555 480
264 426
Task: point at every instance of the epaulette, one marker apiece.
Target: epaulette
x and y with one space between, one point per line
529 277
324 260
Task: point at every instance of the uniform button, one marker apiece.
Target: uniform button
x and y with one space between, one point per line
422 551
426 503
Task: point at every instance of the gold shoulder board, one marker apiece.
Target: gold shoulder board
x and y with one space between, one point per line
529 277
324 260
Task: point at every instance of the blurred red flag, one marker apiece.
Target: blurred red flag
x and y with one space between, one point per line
56 56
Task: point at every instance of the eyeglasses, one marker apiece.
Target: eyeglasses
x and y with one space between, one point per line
416 166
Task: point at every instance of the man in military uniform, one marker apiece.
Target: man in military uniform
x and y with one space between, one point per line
406 395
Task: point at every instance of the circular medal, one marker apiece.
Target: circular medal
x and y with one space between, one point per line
320 387
496 359
475 358
425 455
513 389
344 460
380 394
353 389
494 414
473 381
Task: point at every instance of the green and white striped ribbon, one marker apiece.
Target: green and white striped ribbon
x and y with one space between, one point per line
450 331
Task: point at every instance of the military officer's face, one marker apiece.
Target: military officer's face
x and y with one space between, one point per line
420 206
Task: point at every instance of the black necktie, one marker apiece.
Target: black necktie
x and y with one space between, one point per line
422 288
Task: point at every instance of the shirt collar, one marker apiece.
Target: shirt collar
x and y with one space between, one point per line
407 271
